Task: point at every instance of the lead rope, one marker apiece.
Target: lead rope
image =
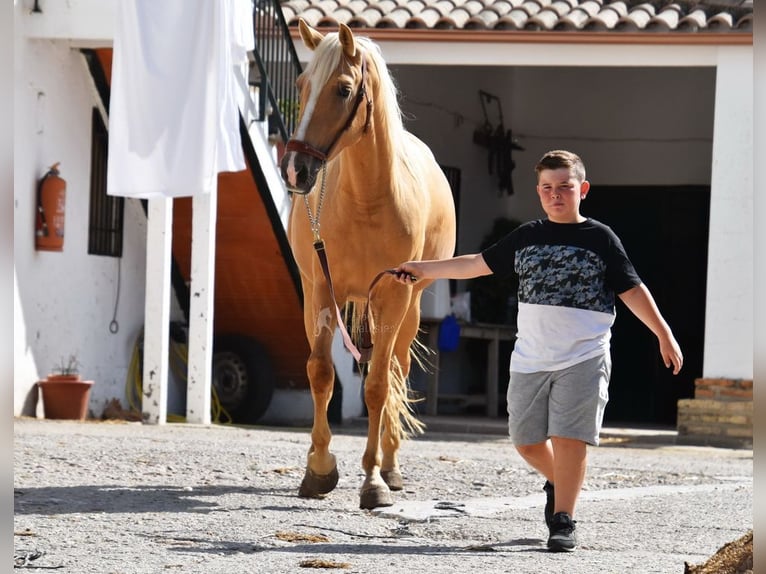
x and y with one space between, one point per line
322 255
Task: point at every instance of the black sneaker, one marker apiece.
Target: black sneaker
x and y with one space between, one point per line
548 488
562 533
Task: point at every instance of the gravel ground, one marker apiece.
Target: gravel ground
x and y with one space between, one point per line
123 498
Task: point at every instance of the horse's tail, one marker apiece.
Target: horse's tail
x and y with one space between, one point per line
403 410
399 413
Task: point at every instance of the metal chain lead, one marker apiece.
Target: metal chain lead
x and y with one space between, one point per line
312 219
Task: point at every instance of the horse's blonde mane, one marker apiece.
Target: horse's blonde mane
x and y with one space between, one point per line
327 57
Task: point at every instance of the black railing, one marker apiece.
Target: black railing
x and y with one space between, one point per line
278 68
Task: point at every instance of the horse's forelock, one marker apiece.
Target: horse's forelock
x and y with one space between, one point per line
326 59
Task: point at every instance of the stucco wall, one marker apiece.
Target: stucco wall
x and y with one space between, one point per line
729 310
64 302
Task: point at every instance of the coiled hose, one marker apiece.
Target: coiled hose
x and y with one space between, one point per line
178 360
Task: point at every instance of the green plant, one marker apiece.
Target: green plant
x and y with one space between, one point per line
289 108
69 366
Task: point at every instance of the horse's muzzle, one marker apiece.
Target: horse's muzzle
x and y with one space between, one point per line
299 167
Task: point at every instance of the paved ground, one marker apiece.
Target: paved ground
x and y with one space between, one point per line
120 498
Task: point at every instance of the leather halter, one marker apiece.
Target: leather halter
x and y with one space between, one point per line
303 147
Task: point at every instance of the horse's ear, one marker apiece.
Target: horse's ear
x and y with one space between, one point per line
309 36
346 37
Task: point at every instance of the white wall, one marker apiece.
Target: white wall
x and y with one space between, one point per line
64 301
83 22
631 126
729 310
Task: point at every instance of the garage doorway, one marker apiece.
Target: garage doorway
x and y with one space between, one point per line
665 232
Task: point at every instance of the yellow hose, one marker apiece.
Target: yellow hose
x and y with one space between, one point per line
178 360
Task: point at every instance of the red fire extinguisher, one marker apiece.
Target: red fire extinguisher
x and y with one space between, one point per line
51 201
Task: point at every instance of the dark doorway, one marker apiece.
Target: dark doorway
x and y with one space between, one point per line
665 232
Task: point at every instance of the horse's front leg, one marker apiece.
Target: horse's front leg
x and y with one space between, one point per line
375 492
321 474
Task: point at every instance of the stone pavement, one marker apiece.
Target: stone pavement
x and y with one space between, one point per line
126 498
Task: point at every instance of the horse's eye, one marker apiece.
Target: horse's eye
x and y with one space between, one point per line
344 90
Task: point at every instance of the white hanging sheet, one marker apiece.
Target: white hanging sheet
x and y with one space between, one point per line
173 114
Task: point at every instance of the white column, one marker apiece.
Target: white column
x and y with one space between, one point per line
154 405
729 311
200 349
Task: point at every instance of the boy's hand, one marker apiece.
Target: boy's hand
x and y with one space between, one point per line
671 353
406 273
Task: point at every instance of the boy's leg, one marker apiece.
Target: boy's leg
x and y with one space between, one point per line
567 406
569 461
528 426
578 397
540 457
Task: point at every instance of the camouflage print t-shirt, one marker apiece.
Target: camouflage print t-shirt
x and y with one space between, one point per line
568 276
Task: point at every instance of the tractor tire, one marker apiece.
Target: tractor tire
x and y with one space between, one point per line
243 377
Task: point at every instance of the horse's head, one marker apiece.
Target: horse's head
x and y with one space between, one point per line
332 91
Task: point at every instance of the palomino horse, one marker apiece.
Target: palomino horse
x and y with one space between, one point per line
380 199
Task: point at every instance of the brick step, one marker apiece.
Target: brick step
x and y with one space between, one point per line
717 422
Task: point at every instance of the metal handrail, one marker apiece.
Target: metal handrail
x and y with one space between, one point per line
278 68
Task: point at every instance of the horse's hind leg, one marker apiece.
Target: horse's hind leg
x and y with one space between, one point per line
377 388
375 491
389 470
391 440
392 433
321 474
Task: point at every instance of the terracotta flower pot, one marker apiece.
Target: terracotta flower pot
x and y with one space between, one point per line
65 397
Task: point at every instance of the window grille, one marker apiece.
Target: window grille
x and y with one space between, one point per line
105 225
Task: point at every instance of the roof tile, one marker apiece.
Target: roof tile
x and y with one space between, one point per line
368 18
514 20
692 22
651 16
544 20
720 22
745 24
663 22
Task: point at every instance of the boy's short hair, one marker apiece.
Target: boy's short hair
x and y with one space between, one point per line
559 158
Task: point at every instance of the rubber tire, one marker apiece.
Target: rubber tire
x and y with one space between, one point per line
243 367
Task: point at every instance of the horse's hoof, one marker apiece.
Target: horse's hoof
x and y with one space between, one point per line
317 485
393 479
374 497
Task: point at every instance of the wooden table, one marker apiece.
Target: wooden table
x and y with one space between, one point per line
485 331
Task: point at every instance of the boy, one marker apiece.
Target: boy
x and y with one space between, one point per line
570 267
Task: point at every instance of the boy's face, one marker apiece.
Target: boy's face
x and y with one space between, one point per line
560 194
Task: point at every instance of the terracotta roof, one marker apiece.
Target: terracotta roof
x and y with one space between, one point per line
634 16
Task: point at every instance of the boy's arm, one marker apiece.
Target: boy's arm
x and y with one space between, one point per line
641 303
462 267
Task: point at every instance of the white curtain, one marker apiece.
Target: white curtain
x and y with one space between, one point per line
173 112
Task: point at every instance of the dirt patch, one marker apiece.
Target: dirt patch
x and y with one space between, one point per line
298 537
732 558
317 563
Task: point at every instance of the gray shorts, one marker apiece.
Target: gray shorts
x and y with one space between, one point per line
568 403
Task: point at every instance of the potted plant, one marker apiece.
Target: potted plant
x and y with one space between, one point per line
65 394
